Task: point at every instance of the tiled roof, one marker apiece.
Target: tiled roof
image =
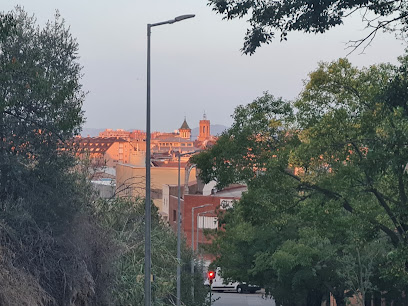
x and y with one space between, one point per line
169 164
164 136
171 139
97 144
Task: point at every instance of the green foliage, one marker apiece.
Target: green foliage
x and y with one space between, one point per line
240 152
7 24
284 16
326 207
125 218
58 261
52 250
40 100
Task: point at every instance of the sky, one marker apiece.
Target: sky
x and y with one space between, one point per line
196 65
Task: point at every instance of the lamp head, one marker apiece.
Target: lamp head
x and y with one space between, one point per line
204 205
182 17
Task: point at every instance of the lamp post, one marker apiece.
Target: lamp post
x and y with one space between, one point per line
192 232
179 228
147 272
198 230
192 243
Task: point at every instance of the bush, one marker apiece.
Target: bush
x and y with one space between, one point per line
125 218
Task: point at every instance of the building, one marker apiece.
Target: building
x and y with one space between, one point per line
216 202
168 144
204 132
109 133
179 141
205 217
104 187
104 152
131 181
125 152
125 147
184 130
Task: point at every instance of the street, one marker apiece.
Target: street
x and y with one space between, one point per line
236 299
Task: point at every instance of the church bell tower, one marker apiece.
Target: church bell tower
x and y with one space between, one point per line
204 129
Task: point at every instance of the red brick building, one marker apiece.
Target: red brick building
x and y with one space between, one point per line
214 202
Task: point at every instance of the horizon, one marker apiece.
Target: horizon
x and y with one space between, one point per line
93 130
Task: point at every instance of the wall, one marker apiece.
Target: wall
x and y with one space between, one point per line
191 201
118 152
133 178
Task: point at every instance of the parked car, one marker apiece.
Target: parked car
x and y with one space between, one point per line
220 285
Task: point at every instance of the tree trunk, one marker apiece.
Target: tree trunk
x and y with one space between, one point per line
314 298
339 297
377 298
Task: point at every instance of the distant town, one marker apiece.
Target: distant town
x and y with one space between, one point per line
117 160
128 147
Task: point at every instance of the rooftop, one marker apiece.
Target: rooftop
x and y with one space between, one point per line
185 126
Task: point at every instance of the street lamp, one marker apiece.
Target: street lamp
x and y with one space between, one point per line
148 287
192 231
179 227
198 230
192 243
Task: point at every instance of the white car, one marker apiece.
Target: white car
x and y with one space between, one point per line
218 284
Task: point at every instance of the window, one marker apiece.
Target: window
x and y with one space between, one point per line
174 215
207 222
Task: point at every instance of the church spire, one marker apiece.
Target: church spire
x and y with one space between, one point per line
184 130
184 126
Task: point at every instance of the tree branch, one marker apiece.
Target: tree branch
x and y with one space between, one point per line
384 204
40 126
393 236
330 194
355 44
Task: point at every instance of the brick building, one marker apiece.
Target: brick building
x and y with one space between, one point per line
204 217
204 132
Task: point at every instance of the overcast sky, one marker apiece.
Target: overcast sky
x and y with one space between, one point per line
196 64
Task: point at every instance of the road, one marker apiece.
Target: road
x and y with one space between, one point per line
236 299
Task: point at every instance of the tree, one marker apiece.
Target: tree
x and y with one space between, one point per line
268 17
358 265
348 123
53 250
124 218
334 167
40 100
6 24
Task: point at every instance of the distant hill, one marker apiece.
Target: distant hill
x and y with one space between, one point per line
91 132
216 129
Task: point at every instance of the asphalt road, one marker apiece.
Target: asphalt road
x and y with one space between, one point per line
237 299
